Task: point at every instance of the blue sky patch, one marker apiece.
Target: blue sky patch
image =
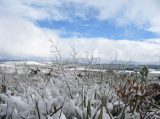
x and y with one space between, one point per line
93 28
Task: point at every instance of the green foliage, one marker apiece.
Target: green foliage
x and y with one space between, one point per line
3 88
143 73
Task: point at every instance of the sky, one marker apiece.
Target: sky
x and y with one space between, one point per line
126 29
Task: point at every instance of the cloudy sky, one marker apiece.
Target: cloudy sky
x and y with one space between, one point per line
126 29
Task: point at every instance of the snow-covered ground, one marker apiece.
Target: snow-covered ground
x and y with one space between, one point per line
154 72
11 63
62 94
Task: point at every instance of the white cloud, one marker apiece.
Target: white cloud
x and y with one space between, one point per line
124 12
155 25
20 36
107 49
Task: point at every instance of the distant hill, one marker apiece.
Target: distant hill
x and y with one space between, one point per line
4 57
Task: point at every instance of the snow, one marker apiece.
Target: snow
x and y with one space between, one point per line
12 63
126 71
61 97
87 69
110 106
154 72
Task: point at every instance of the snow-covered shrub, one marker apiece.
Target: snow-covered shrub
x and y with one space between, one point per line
139 97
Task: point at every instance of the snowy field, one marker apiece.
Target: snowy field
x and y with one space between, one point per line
32 90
